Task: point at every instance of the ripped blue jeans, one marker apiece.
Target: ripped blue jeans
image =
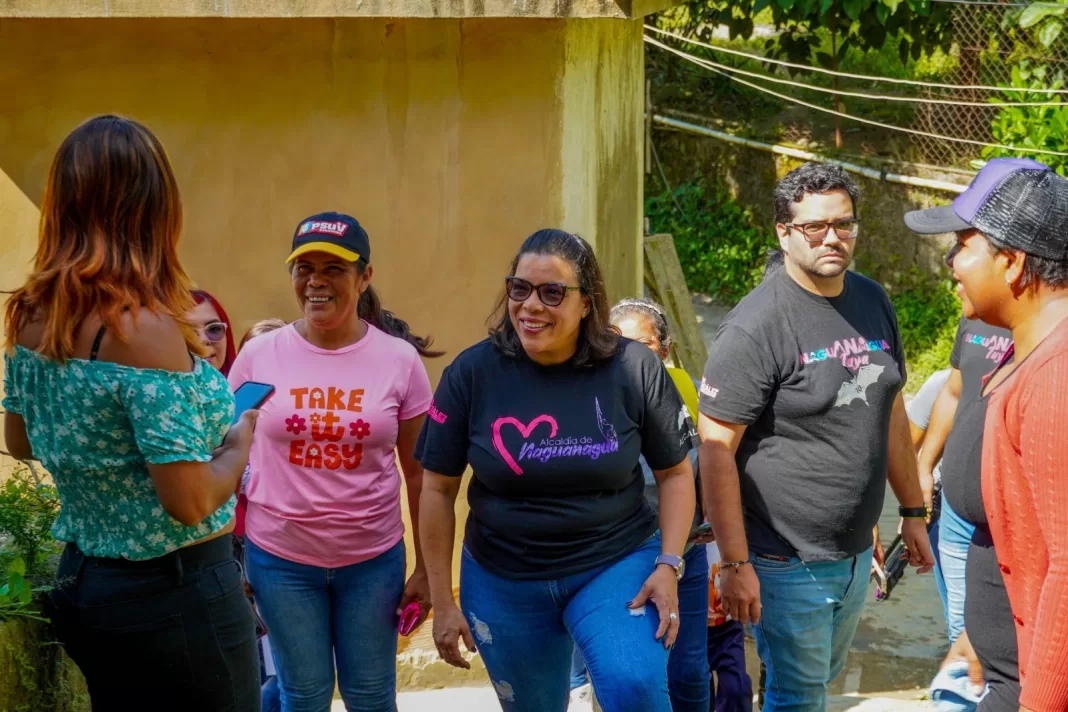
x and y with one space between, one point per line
524 631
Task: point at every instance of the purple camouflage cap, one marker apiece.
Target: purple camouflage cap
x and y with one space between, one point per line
1018 202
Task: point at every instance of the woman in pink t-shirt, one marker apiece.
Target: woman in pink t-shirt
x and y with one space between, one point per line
325 553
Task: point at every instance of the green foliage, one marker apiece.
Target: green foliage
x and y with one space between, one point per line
1043 127
16 593
28 509
927 314
721 251
1045 20
916 25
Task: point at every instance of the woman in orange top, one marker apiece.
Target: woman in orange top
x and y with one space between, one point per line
1012 261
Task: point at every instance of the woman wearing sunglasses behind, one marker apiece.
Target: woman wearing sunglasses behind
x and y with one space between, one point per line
101 387
212 325
552 412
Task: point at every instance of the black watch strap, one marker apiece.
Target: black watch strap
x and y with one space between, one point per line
912 512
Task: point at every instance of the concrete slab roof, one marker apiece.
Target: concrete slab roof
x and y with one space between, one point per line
455 9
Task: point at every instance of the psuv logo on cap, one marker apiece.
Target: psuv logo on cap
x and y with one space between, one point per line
337 229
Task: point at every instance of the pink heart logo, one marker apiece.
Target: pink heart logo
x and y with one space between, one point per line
524 430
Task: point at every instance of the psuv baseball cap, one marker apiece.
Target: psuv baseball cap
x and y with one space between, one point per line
1021 203
334 233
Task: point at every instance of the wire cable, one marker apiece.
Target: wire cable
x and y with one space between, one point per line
875 97
849 75
995 3
870 122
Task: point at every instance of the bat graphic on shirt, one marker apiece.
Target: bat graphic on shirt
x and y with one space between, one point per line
857 387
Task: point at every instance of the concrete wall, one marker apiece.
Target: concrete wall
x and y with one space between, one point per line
616 9
450 140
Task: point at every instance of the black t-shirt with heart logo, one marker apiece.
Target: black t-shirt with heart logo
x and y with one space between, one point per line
557 488
814 379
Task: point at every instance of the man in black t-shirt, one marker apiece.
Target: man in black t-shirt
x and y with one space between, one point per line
802 422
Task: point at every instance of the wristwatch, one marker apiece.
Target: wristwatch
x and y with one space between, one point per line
912 512
675 562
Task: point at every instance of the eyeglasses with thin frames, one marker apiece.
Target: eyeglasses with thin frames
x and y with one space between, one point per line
551 294
816 232
213 332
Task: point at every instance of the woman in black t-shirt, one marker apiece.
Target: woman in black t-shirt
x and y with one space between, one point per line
552 413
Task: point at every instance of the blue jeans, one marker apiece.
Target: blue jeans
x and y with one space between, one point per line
318 616
270 696
688 675
524 631
954 536
810 614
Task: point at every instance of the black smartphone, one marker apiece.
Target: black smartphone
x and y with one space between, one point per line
249 396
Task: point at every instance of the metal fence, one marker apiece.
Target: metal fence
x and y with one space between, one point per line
989 48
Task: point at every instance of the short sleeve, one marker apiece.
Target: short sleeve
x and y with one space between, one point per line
958 345
667 431
12 400
417 394
445 438
919 410
167 417
739 378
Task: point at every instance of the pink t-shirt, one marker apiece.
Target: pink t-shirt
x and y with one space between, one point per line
324 487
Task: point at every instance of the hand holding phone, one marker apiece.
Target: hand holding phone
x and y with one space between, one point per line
250 395
701 532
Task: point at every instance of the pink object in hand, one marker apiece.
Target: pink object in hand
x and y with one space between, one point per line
409 618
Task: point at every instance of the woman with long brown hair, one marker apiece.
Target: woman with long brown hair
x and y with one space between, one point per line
104 387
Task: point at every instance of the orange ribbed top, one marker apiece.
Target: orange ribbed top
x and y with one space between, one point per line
1025 492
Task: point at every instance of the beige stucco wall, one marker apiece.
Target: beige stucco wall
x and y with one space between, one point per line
619 9
450 140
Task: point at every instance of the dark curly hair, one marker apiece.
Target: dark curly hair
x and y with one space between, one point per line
812 178
597 341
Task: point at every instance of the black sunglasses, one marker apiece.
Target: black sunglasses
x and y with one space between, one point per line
551 294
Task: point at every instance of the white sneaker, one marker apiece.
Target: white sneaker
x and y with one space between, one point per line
581 699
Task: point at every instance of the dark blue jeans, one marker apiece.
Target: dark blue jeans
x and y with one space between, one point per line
688 676
318 616
524 631
726 657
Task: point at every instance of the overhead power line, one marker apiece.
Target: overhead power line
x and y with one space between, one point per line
995 3
849 75
870 122
873 97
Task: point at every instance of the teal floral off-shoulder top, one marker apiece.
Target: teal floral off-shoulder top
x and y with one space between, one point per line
95 426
